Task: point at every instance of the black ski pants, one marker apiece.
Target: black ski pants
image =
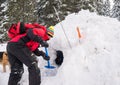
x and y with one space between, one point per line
18 55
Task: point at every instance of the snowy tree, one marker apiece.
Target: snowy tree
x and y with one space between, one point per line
43 12
17 10
106 8
116 10
3 8
99 6
47 15
3 20
87 5
46 12
21 10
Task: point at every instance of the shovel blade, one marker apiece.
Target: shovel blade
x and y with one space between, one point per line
50 67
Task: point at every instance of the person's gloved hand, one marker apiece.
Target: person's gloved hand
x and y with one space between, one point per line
37 52
44 56
44 44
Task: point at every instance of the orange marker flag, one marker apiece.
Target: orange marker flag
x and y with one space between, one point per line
78 30
79 34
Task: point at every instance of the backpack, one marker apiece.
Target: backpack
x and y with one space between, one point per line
16 29
20 28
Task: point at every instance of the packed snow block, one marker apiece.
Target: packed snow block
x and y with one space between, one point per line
50 72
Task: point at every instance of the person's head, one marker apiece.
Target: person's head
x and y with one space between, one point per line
50 31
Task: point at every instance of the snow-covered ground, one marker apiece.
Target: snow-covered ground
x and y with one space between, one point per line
95 60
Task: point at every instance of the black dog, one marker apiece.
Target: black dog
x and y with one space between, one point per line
59 57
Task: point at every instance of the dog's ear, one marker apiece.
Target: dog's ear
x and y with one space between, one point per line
59 57
5 53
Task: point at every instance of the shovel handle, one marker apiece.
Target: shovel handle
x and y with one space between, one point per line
46 51
48 62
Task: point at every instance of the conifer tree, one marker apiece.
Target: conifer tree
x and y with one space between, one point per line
3 20
99 6
116 10
21 10
46 12
47 15
106 8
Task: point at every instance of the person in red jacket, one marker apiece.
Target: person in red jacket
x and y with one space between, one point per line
22 50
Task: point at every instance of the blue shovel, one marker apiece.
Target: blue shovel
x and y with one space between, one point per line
48 62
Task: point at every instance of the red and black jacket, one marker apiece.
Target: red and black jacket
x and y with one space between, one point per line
32 38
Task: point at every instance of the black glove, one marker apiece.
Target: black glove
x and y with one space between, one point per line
38 52
45 56
44 44
41 53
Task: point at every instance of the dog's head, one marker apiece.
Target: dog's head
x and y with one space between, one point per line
5 53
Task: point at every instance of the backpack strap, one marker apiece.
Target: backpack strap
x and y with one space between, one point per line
22 28
12 31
